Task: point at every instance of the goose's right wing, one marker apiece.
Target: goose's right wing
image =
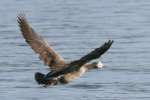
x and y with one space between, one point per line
94 54
75 65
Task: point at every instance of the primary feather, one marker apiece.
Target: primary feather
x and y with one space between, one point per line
40 46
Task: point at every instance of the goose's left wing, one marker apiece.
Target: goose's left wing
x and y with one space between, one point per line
75 65
40 45
93 54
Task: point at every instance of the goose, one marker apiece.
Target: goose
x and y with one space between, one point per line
61 72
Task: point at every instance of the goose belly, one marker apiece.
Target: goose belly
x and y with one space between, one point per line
74 75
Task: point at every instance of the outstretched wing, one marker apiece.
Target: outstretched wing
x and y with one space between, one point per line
39 45
75 65
93 54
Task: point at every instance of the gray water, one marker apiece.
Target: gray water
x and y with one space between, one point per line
75 27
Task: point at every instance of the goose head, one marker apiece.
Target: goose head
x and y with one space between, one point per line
98 65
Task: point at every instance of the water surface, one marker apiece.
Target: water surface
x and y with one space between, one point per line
74 28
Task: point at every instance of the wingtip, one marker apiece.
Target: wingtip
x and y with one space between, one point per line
111 41
21 17
108 44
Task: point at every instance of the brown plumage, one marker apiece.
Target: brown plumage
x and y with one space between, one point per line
40 46
77 64
61 72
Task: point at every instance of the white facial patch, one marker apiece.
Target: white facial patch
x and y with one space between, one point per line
100 65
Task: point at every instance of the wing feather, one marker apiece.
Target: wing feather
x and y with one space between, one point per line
75 65
39 45
96 53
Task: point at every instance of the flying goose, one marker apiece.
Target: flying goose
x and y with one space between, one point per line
61 72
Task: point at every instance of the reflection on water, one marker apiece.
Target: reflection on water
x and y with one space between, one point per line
86 86
74 28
